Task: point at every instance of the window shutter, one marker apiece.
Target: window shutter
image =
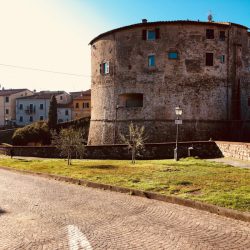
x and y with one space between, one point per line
157 33
101 68
144 34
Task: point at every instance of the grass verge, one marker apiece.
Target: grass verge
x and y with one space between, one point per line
189 178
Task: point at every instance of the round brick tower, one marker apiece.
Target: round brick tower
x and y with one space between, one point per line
141 72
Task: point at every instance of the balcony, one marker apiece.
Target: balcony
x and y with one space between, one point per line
30 110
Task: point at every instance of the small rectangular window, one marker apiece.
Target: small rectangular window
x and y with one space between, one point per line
61 97
151 61
41 106
86 105
173 55
20 119
66 112
6 99
151 35
77 105
6 111
222 58
106 67
31 118
41 118
210 34
20 106
209 59
222 36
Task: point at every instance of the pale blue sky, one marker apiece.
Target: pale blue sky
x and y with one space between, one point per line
53 35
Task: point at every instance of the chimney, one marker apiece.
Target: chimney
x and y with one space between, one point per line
144 20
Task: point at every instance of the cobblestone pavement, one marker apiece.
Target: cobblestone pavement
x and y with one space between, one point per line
38 213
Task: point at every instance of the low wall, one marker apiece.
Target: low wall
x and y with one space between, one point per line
202 149
237 150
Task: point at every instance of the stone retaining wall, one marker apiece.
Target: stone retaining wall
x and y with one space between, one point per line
237 150
202 149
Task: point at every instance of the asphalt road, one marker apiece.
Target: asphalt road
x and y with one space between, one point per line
38 213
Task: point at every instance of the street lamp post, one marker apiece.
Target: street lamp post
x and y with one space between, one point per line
116 109
178 112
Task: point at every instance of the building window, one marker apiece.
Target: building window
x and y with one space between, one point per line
104 68
131 100
151 35
151 61
61 97
31 118
20 106
77 105
209 59
173 55
6 111
20 119
85 105
66 112
41 106
222 58
7 99
222 36
210 34
41 118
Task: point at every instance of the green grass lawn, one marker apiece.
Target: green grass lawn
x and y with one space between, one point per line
189 178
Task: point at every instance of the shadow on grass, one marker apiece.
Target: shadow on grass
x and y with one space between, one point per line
21 159
101 167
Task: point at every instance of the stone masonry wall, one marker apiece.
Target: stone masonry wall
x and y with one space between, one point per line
210 96
152 151
237 150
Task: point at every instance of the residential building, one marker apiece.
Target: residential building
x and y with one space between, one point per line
82 105
8 104
36 107
64 112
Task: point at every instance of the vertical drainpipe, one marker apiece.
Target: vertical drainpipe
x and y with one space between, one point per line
228 55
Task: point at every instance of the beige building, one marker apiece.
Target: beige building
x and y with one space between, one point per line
141 72
82 105
8 104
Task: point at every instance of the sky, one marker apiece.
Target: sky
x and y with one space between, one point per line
44 43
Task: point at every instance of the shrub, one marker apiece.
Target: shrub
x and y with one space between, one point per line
37 132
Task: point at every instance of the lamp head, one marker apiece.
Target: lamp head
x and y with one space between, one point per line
178 111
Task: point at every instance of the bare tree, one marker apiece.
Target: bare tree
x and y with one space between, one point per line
70 142
135 140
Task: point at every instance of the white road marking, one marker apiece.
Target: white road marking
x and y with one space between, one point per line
77 240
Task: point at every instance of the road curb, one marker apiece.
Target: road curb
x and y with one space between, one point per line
226 212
